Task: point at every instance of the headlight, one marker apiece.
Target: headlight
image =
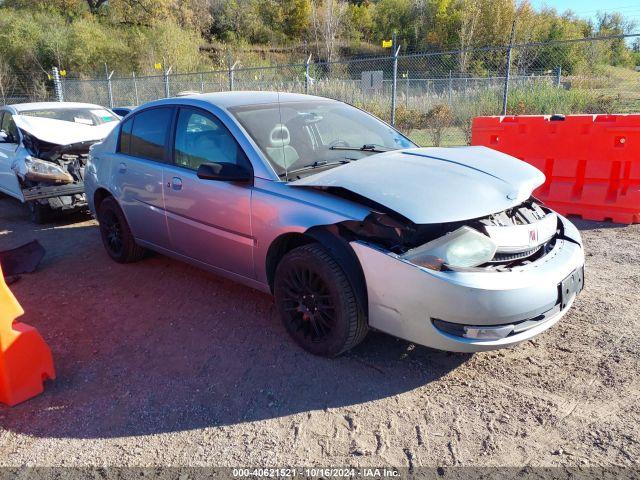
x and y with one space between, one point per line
464 247
43 171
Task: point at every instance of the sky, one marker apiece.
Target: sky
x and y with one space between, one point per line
589 8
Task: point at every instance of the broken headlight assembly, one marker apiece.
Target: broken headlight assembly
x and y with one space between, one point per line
464 247
42 171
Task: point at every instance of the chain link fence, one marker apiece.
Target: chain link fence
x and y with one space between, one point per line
432 97
18 87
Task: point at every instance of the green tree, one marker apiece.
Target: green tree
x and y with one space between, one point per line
394 16
617 51
359 23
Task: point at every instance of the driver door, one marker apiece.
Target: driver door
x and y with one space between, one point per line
8 150
208 220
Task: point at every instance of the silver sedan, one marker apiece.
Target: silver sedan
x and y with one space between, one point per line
349 224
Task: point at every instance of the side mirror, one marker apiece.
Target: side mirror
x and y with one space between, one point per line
4 137
226 172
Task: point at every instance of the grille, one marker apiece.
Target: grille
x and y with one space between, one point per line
510 257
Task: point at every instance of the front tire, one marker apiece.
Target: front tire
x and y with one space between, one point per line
317 303
116 234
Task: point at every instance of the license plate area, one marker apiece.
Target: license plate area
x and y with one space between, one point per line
571 286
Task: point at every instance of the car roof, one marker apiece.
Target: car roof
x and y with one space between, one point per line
25 107
228 100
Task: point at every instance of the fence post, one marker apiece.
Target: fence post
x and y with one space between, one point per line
505 96
109 86
202 83
406 98
167 89
558 75
394 85
306 74
231 67
57 85
135 88
450 87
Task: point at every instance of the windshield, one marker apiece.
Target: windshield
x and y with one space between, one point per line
295 135
85 116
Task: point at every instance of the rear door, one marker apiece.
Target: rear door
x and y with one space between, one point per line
143 150
208 220
8 150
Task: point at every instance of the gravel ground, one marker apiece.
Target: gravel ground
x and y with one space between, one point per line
159 363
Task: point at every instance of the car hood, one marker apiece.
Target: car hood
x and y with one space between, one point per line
436 185
60 132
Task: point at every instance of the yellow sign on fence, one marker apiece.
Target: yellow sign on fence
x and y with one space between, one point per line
157 66
387 43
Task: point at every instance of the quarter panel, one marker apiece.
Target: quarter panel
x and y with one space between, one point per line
99 171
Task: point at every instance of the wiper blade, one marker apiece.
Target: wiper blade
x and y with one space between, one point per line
365 148
313 165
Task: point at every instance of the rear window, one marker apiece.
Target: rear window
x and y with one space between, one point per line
125 137
85 116
149 134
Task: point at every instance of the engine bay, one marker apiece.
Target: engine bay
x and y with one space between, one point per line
521 234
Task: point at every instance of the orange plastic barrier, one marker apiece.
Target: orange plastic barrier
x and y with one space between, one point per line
592 162
25 358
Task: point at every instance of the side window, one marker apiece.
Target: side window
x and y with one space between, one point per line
149 133
202 138
125 137
9 126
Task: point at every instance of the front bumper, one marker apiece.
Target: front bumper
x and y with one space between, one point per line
404 299
49 191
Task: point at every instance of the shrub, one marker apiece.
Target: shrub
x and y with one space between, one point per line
547 99
437 120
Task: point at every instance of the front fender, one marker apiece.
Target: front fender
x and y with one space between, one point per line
278 209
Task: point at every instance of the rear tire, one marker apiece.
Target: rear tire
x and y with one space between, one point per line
116 234
317 303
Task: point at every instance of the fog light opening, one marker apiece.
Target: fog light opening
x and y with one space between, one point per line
487 333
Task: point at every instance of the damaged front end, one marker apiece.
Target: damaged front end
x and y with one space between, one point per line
473 285
52 175
497 242
455 252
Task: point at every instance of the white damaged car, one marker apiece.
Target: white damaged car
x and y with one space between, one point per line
43 152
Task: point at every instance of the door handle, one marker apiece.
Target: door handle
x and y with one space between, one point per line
176 183
122 168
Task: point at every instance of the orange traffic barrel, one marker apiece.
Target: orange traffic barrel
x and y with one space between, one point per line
25 358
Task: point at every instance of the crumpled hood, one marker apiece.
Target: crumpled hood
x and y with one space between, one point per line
61 132
436 185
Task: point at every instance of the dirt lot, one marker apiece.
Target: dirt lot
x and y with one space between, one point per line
161 364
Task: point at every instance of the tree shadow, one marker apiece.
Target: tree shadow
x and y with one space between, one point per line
159 346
